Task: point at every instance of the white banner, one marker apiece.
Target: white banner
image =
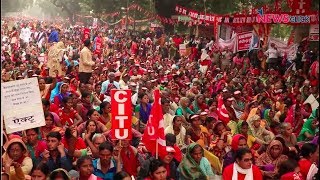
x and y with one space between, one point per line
283 48
228 43
314 32
21 105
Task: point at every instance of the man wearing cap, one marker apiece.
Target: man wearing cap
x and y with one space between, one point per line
238 103
85 63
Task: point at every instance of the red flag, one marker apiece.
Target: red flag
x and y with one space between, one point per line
154 132
222 111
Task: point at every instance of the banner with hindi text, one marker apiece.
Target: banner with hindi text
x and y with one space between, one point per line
21 105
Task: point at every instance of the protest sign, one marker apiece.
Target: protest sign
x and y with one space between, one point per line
243 41
121 110
182 49
314 32
283 48
21 105
312 101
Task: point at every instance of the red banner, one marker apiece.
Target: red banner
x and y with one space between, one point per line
243 41
121 110
98 45
86 34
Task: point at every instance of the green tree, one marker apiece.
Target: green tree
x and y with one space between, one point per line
14 5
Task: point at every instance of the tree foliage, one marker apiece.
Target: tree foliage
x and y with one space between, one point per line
14 5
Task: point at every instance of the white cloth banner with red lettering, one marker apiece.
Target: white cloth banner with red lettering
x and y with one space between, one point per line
121 110
283 48
230 44
314 32
243 41
154 132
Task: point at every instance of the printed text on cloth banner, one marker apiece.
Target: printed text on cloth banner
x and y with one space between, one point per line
121 110
154 132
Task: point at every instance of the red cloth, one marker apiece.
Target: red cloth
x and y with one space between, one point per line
41 146
154 132
80 144
304 165
131 163
67 117
291 176
235 141
99 45
228 172
223 114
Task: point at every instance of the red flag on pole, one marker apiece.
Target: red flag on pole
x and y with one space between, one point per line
222 111
153 135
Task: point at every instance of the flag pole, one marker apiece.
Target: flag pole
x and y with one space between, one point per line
157 151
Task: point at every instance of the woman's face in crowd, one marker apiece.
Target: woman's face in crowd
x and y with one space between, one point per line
35 64
196 122
288 129
160 174
183 91
15 151
95 116
91 127
314 157
256 123
32 136
242 143
213 106
145 99
220 128
168 158
49 121
244 129
42 84
246 161
200 100
197 154
275 151
22 67
38 175
178 122
86 168
69 104
64 88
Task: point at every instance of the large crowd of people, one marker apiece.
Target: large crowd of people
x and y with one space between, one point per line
246 109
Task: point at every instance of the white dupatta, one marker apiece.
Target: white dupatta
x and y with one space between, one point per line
247 172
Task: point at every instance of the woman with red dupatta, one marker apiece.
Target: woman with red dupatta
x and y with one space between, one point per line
295 118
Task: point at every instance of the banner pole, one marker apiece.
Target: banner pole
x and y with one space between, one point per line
157 149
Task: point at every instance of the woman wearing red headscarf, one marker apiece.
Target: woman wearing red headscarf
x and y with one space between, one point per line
238 141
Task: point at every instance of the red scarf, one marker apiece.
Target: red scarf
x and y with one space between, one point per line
131 164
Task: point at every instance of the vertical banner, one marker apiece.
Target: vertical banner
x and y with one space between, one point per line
243 41
182 49
86 34
95 23
314 32
121 110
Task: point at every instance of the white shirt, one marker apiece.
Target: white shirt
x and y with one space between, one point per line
272 53
25 34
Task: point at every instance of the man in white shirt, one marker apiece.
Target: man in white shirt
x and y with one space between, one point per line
105 87
272 54
25 34
167 117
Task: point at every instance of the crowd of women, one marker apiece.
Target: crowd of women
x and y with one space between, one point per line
231 116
